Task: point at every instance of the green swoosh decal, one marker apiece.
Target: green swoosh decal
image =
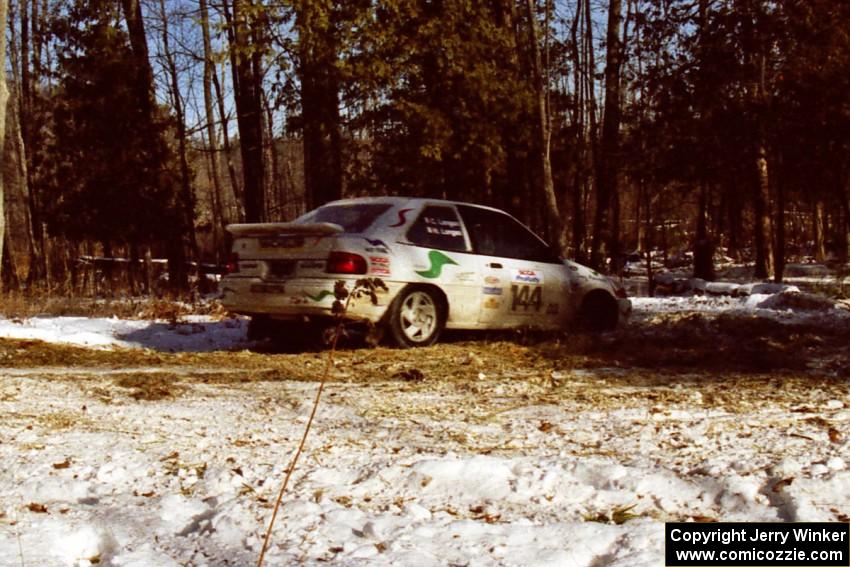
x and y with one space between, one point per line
438 260
319 296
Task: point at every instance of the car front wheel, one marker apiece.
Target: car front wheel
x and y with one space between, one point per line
599 312
416 317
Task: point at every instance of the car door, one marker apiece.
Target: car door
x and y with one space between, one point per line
439 254
523 282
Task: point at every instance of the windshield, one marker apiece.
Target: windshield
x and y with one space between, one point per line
352 218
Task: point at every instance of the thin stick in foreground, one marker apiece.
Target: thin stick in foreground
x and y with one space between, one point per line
362 287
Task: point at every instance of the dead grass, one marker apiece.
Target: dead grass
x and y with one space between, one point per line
15 353
151 386
53 421
17 305
686 345
706 342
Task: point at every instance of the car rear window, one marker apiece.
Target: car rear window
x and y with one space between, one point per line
352 218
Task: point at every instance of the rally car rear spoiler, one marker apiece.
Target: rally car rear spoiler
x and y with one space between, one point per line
274 228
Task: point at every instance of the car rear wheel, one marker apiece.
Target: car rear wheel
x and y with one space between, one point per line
288 336
416 318
260 328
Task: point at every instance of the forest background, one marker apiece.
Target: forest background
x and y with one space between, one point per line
138 129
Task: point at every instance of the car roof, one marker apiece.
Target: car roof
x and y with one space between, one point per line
413 201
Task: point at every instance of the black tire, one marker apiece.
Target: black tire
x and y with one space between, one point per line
288 336
416 317
599 312
259 328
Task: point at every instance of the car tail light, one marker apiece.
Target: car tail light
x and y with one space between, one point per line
346 263
232 265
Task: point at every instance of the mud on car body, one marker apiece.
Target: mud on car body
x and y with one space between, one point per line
445 264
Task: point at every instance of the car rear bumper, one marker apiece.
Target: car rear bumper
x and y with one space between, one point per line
295 298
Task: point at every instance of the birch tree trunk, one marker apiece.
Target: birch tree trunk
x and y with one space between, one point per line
4 97
238 200
212 137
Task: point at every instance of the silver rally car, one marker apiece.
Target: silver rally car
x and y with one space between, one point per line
445 264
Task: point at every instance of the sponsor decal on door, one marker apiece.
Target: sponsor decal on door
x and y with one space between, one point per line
531 277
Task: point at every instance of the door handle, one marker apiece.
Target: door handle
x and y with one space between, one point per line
494 265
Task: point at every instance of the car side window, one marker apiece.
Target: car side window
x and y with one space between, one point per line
497 234
438 227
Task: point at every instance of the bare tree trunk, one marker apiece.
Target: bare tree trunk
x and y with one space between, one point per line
138 42
278 187
505 16
647 243
703 245
763 231
148 271
607 166
248 106
38 259
317 71
144 86
580 152
590 106
187 196
238 200
819 230
557 237
133 268
212 137
844 225
779 244
4 97
735 221
640 229
755 55
10 280
217 223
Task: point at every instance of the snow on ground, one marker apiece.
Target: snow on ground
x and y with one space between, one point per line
191 334
780 307
507 471
569 467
